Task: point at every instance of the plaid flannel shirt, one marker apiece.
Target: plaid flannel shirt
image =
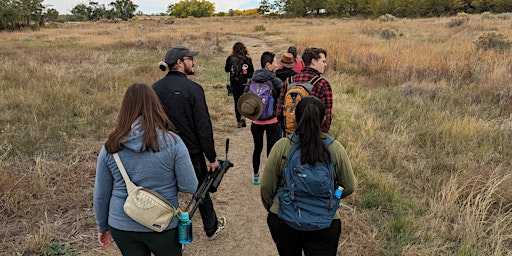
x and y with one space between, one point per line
321 90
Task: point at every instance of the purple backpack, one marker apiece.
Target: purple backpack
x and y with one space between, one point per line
264 91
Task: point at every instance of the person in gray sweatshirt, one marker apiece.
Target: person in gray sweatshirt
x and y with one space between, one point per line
154 157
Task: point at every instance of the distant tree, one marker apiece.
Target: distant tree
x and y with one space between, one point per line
31 10
296 8
52 14
191 8
315 6
80 11
124 9
265 7
334 7
10 16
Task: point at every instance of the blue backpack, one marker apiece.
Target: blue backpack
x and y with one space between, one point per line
264 91
307 200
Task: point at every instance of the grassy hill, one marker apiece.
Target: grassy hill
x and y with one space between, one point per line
423 106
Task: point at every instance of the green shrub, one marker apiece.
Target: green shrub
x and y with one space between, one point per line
55 249
388 33
493 41
259 28
455 22
500 16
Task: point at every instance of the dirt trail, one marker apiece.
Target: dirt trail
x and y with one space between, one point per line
246 231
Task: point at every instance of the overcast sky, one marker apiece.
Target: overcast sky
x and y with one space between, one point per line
153 6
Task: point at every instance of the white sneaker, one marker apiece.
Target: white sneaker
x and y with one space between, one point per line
220 227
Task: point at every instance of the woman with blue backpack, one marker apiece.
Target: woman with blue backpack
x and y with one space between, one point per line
259 104
305 176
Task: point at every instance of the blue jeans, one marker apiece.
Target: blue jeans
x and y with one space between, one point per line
291 242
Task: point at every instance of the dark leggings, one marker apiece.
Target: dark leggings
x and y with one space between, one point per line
132 243
237 90
291 242
273 134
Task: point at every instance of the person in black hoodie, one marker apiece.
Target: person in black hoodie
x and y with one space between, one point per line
184 103
240 68
287 65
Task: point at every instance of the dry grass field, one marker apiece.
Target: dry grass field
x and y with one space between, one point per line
423 106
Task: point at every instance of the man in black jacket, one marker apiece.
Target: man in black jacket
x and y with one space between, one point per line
185 104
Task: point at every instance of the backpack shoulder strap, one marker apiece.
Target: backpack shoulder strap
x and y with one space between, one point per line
328 141
295 145
315 80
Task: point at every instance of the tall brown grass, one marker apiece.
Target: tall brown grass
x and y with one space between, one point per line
423 114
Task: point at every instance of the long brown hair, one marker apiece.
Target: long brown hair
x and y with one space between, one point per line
139 101
310 112
239 50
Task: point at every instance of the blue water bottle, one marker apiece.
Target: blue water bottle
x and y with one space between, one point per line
338 192
185 228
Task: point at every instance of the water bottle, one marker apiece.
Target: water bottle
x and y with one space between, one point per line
185 228
338 192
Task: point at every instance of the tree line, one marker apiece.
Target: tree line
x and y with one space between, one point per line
17 14
375 8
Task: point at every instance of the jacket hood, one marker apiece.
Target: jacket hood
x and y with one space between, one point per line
262 75
134 141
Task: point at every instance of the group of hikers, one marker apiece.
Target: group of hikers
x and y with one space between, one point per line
164 131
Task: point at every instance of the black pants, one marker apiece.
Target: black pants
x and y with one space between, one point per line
144 243
208 215
237 91
273 134
291 242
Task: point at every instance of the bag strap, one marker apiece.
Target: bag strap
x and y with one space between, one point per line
315 80
129 184
290 79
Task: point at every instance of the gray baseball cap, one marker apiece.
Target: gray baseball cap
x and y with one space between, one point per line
177 52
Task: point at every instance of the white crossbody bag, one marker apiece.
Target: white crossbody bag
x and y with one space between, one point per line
146 206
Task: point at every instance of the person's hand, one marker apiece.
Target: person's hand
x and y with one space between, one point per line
214 165
105 239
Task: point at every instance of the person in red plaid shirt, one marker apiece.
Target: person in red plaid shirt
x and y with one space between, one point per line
315 64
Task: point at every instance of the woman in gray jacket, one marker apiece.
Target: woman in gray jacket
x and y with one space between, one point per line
154 158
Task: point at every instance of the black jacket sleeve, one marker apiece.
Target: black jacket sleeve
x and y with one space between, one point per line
250 70
227 68
204 126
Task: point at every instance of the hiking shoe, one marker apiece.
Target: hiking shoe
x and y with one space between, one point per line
220 227
256 179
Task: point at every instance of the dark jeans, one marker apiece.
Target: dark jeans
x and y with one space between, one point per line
237 90
291 242
144 243
273 134
208 215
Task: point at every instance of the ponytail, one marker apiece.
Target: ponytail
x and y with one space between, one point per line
309 114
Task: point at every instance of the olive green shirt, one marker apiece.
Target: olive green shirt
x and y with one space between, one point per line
272 178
